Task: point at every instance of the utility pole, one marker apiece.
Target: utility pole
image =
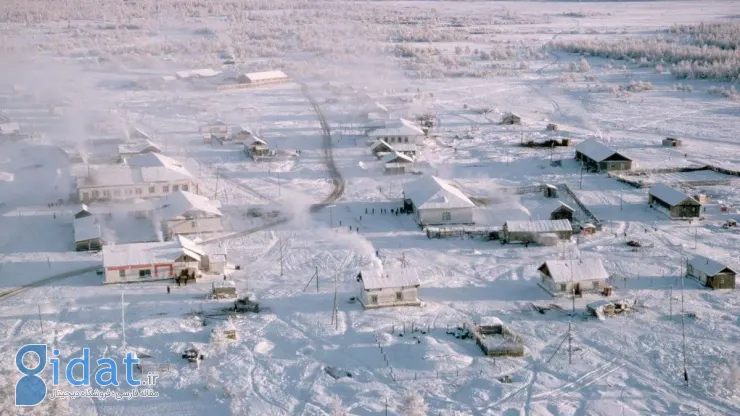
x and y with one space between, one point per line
280 241
580 184
335 311
215 195
683 333
573 312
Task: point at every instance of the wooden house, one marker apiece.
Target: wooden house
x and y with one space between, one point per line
711 273
530 231
578 276
256 148
215 129
397 131
673 202
510 119
397 163
263 78
435 201
598 157
560 211
391 288
672 142
380 147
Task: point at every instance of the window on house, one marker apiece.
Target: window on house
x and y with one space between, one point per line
399 295
151 190
85 196
193 224
563 287
122 273
165 188
446 216
145 273
106 194
184 188
595 285
139 191
129 192
175 188
117 192
374 299
95 194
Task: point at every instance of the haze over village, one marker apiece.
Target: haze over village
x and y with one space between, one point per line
370 208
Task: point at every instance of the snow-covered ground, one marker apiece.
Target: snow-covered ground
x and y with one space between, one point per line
630 364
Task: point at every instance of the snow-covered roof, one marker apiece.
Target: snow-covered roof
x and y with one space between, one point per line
204 72
553 206
400 127
376 107
187 204
373 279
149 253
123 175
86 228
137 133
9 128
151 160
404 147
541 226
243 129
561 271
490 321
396 157
432 192
380 143
224 284
267 75
257 142
595 150
139 146
670 196
708 266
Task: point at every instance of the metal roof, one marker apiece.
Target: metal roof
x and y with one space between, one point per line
86 228
205 72
149 253
267 75
541 226
400 127
595 150
396 157
432 192
398 278
186 204
138 169
708 266
577 270
9 128
670 196
137 147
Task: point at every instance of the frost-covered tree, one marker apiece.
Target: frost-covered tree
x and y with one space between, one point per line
337 408
583 66
413 405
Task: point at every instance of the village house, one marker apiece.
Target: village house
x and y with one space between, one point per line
711 273
673 202
215 129
144 262
138 147
380 148
560 211
256 148
533 231
149 175
398 131
87 232
672 142
215 259
397 163
435 201
510 119
563 277
598 157
385 289
187 213
263 78
138 134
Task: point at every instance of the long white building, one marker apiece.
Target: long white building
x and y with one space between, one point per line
436 201
187 213
149 175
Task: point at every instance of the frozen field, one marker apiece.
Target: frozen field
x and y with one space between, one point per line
105 64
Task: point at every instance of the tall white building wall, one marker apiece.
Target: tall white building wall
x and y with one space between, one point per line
444 216
138 191
389 297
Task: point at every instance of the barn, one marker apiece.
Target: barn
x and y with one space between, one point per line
533 231
560 211
672 142
256 147
435 201
385 289
397 163
187 213
559 277
599 157
510 119
711 273
144 262
673 202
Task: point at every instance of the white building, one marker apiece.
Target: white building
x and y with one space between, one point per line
137 147
197 73
578 276
143 262
187 213
436 201
536 231
148 175
215 261
9 129
384 289
262 78
398 131
215 129
397 163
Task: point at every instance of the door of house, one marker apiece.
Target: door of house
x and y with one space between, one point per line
577 289
163 271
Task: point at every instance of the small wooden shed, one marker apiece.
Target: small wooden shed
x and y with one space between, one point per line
672 142
711 273
510 119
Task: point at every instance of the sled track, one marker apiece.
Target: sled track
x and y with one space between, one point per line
337 180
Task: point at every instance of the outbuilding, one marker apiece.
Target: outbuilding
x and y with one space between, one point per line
599 157
187 213
397 163
435 201
143 262
241 134
561 277
215 129
531 231
510 119
380 147
673 202
392 288
560 211
137 147
711 273
87 232
262 78
672 142
256 147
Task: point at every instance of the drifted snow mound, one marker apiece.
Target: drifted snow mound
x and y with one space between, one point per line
6 177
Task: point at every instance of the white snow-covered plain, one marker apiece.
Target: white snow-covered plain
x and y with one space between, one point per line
105 63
